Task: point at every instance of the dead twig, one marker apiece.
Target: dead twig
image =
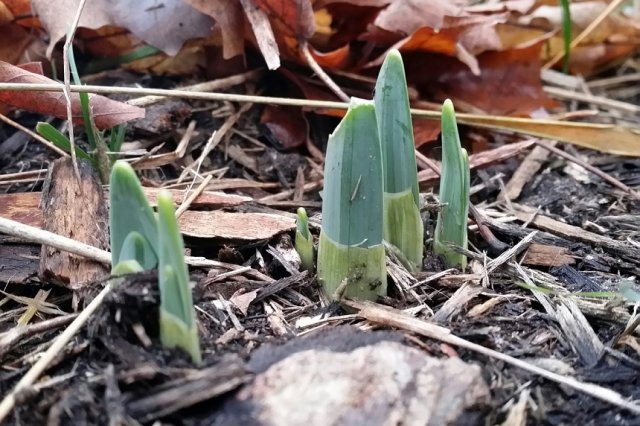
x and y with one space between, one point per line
304 48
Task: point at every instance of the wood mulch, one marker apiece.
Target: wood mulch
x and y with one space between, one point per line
561 298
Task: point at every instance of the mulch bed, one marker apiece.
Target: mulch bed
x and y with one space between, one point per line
114 371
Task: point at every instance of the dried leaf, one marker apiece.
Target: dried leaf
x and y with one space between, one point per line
508 85
286 127
166 26
107 113
228 16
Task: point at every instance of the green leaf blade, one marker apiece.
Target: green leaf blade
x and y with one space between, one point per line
350 249
129 211
395 127
451 227
177 316
403 226
353 180
54 136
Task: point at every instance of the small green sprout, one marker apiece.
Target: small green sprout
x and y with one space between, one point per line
304 240
177 317
140 241
451 227
403 226
133 225
351 257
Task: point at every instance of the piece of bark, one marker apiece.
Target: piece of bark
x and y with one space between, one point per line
24 207
73 208
546 255
234 226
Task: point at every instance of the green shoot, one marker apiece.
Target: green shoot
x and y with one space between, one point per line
56 137
402 223
130 213
351 255
177 316
97 155
566 33
451 227
304 240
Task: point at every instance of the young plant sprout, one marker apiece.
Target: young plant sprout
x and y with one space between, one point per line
140 242
304 240
177 316
402 223
451 227
133 225
351 257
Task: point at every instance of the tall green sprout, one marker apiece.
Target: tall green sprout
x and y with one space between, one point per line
451 227
351 258
402 223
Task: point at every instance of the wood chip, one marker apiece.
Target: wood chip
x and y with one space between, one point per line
234 226
546 255
73 208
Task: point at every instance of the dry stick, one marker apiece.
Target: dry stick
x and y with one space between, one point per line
58 344
67 83
304 47
586 32
34 135
550 129
195 194
596 171
484 230
394 318
601 101
207 86
37 235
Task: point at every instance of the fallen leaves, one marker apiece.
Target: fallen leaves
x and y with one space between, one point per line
166 26
107 113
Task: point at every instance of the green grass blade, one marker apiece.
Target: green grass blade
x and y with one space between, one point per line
304 240
451 227
129 211
352 204
177 316
116 138
566 33
402 223
54 136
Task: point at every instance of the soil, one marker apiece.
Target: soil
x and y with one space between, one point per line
115 372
